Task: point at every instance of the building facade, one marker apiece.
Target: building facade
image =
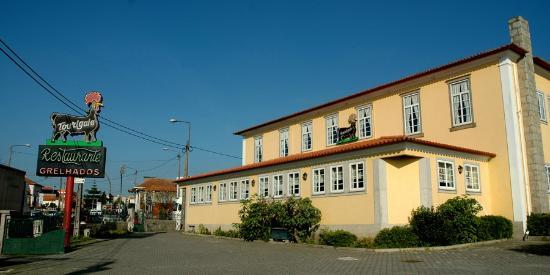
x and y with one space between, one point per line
476 126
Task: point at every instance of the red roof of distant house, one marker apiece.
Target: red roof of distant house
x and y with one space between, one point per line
48 188
388 140
512 47
31 182
49 197
158 184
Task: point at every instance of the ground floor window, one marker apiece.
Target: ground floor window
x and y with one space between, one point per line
547 169
319 181
337 178
208 193
200 194
193 195
223 192
233 191
446 175
471 177
245 189
357 176
278 186
264 187
294 184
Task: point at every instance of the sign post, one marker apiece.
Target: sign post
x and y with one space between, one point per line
70 159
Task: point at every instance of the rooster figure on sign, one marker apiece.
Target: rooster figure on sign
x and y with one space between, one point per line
64 124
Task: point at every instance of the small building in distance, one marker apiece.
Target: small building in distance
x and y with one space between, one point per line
33 196
155 196
12 189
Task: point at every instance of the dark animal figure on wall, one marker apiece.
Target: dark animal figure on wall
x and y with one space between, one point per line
348 132
64 124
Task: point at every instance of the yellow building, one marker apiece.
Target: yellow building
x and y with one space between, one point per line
476 126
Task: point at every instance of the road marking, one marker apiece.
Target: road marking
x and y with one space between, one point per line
347 259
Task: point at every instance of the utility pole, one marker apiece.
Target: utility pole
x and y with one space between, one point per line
122 171
79 187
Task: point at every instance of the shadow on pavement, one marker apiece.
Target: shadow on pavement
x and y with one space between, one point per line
541 249
10 261
94 268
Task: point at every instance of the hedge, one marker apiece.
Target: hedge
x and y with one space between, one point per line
337 238
396 237
494 228
538 224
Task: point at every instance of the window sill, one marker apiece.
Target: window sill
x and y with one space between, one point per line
328 195
448 191
462 127
357 190
473 192
417 135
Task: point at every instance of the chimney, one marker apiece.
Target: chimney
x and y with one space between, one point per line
519 34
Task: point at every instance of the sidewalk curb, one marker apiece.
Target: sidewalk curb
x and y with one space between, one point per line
356 249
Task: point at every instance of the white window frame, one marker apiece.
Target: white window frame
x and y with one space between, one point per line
542 106
364 115
277 186
456 119
284 145
245 189
446 180
307 131
233 190
293 184
263 187
223 192
331 126
354 176
193 195
547 170
410 109
258 148
208 193
339 176
200 194
469 177
318 174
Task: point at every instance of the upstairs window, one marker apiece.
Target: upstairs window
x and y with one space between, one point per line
193 195
542 106
245 189
264 186
200 194
411 112
278 186
337 179
306 136
446 175
357 176
471 176
319 181
233 191
547 169
258 149
365 121
294 184
223 192
461 102
283 142
332 129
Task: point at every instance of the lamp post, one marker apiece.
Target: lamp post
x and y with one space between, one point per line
179 159
187 145
11 150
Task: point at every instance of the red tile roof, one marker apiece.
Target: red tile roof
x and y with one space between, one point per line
158 184
511 47
49 197
541 62
388 140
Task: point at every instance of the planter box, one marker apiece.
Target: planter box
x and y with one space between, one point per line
280 234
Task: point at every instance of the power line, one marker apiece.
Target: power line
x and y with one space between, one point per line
108 122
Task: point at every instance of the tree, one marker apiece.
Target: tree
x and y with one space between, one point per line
92 196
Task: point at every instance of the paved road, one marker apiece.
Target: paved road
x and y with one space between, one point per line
173 253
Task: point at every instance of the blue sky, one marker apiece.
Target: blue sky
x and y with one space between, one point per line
223 65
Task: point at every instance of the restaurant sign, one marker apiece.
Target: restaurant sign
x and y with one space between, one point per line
60 157
62 161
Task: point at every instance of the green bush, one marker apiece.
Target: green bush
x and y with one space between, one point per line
538 224
259 215
337 238
229 233
395 237
494 228
203 230
459 219
364 243
427 224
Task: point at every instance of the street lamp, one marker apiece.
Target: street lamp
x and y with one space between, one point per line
187 145
11 150
179 159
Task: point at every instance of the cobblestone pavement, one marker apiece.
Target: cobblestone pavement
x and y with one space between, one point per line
173 253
